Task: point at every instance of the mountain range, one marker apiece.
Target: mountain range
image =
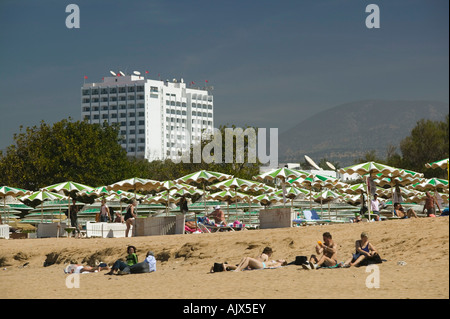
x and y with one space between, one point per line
346 132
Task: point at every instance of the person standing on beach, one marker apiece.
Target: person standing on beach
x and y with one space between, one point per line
105 216
74 218
375 206
328 250
430 202
130 216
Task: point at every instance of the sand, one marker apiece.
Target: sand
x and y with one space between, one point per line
184 262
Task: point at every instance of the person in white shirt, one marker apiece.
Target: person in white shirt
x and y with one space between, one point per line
375 207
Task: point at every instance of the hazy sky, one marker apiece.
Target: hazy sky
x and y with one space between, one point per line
272 63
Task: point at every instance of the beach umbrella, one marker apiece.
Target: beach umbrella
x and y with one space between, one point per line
293 193
438 164
203 177
135 184
315 181
69 188
40 197
283 174
327 196
266 199
228 197
371 168
431 184
236 183
11 191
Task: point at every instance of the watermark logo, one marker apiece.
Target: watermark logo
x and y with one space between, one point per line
373 280
73 19
373 19
73 281
235 145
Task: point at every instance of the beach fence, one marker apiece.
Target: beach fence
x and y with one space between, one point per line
4 231
161 225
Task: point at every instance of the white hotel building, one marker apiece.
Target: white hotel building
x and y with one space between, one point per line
157 118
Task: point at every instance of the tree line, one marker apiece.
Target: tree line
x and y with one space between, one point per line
90 154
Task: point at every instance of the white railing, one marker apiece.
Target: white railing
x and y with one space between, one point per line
105 230
4 231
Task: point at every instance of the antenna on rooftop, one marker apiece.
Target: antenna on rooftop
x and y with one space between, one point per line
121 73
312 163
112 73
136 73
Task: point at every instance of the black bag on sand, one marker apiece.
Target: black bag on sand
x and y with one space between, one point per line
375 259
300 260
218 267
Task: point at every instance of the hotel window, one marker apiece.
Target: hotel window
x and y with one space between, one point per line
104 91
140 88
113 90
86 92
122 90
130 89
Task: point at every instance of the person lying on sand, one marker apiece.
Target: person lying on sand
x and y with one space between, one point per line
79 269
260 262
253 263
328 251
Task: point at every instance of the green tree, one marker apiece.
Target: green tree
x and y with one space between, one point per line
428 142
67 150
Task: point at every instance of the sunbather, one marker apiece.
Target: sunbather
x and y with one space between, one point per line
328 251
131 260
364 250
253 263
79 269
400 212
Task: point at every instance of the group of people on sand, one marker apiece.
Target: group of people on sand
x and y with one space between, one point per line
120 267
326 250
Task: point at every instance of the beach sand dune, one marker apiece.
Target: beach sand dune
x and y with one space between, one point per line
184 262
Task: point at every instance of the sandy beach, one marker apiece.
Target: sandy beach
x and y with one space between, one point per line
184 261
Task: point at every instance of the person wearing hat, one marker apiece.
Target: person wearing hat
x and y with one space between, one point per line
148 265
218 216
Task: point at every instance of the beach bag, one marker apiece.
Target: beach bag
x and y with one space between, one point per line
218 267
97 217
300 260
375 259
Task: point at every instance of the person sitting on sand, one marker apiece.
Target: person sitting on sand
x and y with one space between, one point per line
148 265
400 212
328 251
131 260
364 250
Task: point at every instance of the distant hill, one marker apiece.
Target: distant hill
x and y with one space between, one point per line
348 131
